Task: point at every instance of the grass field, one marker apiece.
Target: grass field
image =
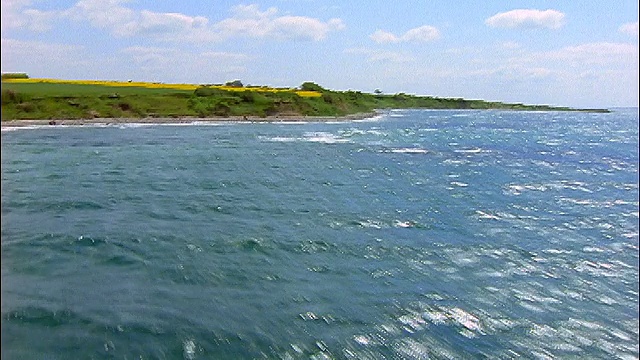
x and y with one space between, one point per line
54 87
78 99
26 99
64 90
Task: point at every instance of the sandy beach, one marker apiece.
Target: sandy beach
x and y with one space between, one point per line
184 120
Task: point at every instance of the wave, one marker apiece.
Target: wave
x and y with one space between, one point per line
317 137
410 151
469 151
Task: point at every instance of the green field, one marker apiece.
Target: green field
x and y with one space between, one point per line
21 101
80 90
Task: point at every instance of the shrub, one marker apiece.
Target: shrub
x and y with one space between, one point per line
26 107
13 97
208 91
234 83
15 76
247 96
311 86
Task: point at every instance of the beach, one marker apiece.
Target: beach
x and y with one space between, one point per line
185 120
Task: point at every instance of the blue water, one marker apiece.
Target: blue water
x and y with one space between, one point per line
415 234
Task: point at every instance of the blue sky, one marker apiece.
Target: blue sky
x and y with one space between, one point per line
573 53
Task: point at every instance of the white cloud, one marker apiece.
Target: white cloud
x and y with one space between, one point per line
14 15
527 18
36 57
630 29
119 20
383 37
224 56
11 13
194 66
374 55
249 21
40 59
424 33
157 54
593 53
152 22
421 34
510 45
511 72
36 48
104 14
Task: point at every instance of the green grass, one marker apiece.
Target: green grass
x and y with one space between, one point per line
77 90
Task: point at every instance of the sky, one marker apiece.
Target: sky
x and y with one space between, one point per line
578 53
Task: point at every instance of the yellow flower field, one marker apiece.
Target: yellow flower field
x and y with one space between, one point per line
155 85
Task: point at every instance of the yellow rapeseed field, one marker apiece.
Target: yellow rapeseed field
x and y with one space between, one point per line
155 85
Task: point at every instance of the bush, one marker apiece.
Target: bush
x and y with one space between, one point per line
208 91
13 97
247 96
15 76
222 109
26 107
311 86
234 83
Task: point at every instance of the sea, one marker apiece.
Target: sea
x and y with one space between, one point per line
414 234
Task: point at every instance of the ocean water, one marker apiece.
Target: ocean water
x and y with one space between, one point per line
417 234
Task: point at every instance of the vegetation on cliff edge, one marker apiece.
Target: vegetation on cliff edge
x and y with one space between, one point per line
51 100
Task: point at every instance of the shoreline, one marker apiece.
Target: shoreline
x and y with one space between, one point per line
187 120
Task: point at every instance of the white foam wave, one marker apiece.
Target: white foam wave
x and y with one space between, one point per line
403 224
38 127
459 183
298 122
281 139
324 137
469 151
372 118
484 215
14 128
134 125
409 151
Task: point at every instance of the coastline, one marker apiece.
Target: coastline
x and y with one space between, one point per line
186 120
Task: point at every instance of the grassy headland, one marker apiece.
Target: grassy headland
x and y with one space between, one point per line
47 99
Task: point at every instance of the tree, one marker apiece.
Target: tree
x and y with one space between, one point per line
234 83
311 86
14 76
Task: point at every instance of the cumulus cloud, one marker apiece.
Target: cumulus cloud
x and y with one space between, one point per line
169 22
105 14
383 37
527 18
424 33
629 29
15 14
122 21
249 21
11 13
